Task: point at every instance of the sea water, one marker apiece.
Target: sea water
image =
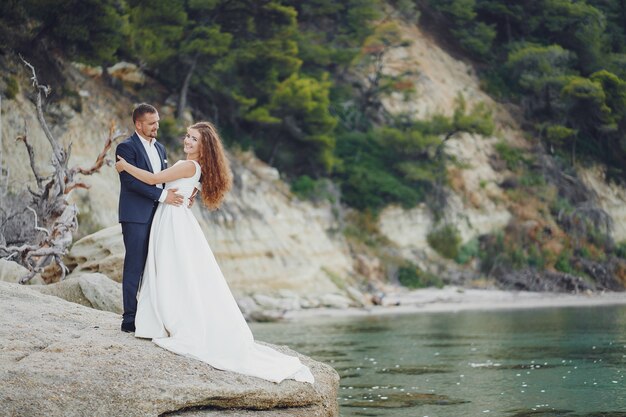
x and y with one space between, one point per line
562 362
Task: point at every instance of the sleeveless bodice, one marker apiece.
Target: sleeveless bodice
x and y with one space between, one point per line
186 186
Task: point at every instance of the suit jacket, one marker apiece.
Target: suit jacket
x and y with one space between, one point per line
137 199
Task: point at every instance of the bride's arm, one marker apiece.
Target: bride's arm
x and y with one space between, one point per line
185 169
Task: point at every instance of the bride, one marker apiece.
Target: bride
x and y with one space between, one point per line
184 303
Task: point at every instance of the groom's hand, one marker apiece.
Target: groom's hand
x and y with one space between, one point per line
193 197
173 198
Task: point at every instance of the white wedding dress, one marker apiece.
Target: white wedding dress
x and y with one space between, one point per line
185 305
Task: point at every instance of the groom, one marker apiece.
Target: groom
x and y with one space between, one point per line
138 202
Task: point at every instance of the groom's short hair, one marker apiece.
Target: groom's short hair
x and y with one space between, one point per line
142 109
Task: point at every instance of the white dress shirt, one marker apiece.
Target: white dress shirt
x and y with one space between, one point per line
155 161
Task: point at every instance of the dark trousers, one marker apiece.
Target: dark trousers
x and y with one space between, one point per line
136 236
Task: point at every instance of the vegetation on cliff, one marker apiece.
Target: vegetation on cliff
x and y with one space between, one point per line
302 84
562 61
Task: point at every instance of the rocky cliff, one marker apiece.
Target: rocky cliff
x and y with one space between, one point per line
478 202
269 244
276 251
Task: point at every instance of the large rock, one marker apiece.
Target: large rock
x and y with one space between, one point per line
11 271
127 72
63 359
93 290
531 280
101 252
611 197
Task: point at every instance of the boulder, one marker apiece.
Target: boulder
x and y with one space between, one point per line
127 72
59 359
93 290
88 70
335 301
101 252
12 272
532 280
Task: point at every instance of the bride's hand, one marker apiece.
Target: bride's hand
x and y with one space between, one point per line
120 165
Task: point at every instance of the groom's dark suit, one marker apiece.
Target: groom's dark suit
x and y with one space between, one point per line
138 202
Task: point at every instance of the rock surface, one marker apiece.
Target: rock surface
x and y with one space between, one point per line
477 204
11 271
63 359
101 252
266 241
611 197
93 290
127 72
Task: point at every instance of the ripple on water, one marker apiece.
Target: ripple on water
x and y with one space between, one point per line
523 366
366 348
415 370
402 400
447 345
327 353
347 372
359 328
611 354
541 413
564 413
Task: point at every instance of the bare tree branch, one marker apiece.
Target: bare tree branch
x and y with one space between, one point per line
56 148
114 135
41 229
49 202
31 157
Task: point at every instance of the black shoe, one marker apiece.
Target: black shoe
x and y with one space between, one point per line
128 327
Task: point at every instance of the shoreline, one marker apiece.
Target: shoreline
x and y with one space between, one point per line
452 299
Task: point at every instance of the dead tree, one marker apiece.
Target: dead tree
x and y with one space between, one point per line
54 218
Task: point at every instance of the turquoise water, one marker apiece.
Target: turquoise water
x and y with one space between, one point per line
565 362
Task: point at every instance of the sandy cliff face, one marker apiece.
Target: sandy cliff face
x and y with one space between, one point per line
611 198
266 239
477 204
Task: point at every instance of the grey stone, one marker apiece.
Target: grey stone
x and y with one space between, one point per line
63 359
335 301
88 289
101 252
11 271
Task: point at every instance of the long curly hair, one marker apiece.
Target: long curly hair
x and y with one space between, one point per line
216 178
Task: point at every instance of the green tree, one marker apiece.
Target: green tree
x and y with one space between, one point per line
540 72
615 15
331 32
13 28
87 30
371 62
198 51
475 36
586 107
156 29
404 164
301 103
576 26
